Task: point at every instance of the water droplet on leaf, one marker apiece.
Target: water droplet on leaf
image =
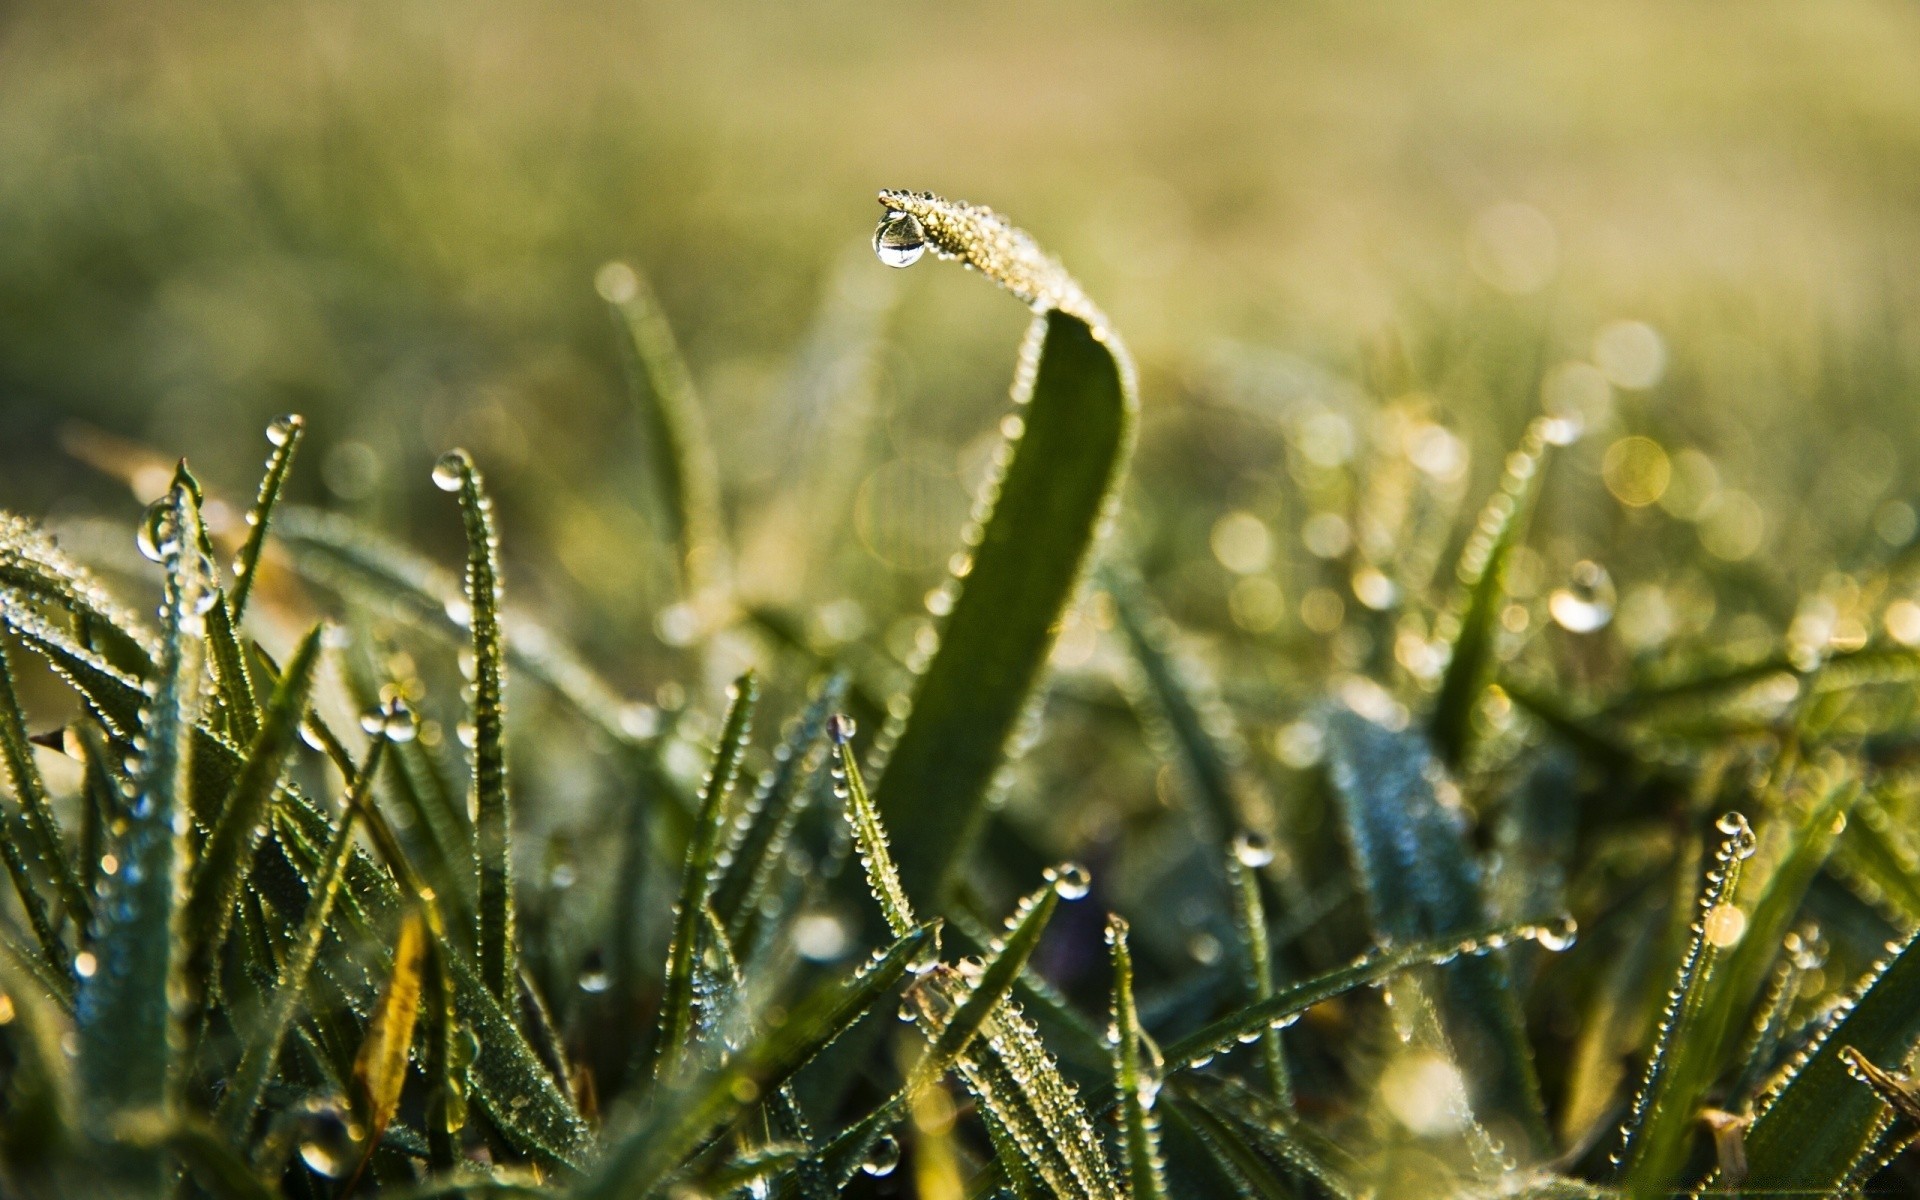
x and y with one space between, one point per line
281 430
883 1157
1070 880
1585 604
1252 849
451 469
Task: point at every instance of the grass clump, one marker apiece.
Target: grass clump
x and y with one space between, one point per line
1497 874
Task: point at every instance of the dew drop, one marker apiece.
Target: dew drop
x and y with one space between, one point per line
1558 936
1740 840
1585 604
281 429
594 982
373 722
884 1156
451 470
1252 849
840 728
900 240
1070 880
154 538
398 722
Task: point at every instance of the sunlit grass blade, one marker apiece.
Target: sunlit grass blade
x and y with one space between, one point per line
682 450
125 1019
380 1069
760 833
869 834
284 434
1040 518
493 821
33 566
677 990
1420 879
1482 572
1289 1000
1817 1123
1654 1138
111 694
681 1119
43 842
226 857
1135 1081
249 1080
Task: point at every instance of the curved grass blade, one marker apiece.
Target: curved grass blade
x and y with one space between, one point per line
43 842
492 826
677 991
760 833
284 434
55 959
42 1100
1246 1173
125 1021
33 566
1817 1123
227 855
683 458
1075 386
1482 572
1136 1083
1419 877
685 1116
242 1097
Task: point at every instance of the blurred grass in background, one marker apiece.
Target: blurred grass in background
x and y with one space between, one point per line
1331 234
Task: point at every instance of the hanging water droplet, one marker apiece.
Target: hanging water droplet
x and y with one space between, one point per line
1070 880
900 239
1252 849
595 982
469 736
451 469
282 428
1585 604
907 1010
840 728
883 1157
373 722
155 538
927 957
328 1136
1740 840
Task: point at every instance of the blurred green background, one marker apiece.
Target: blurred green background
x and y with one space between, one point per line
1325 229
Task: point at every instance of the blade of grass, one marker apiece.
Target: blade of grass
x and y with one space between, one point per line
284 434
1482 572
677 991
124 1015
1078 408
226 857
682 451
1137 1084
380 1069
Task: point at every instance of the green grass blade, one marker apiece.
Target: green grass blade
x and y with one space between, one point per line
1077 416
124 1018
869 833
249 1081
1250 1176
43 842
677 991
284 435
493 817
1420 880
1654 1137
226 857
33 566
1482 572
1819 1122
1198 1048
680 1120
1247 1115
683 458
760 834
1256 957
1136 1083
